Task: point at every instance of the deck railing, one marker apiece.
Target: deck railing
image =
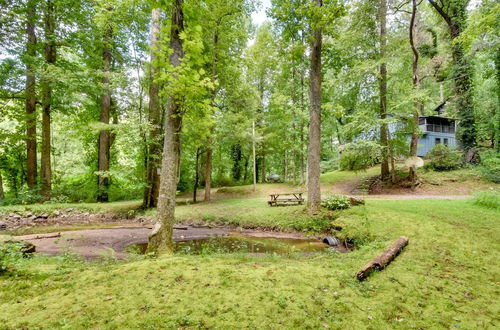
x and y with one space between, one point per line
440 128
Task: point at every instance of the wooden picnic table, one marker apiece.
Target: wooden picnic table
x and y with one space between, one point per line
284 199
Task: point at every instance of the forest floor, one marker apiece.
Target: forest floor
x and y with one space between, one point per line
446 277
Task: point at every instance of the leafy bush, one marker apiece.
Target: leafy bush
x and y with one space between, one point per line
329 165
9 253
489 199
490 165
442 158
337 202
360 155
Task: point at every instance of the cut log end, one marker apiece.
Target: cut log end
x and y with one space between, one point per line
384 259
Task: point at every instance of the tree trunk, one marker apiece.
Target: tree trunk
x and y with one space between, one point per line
104 142
285 166
154 145
314 150
2 195
384 131
455 16
254 158
31 155
160 240
208 173
263 168
208 163
302 124
196 175
384 259
50 59
417 105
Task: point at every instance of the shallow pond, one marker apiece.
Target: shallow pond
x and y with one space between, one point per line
241 244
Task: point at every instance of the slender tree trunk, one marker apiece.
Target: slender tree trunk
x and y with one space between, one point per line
417 105
208 173
285 166
151 190
263 168
31 155
254 158
104 142
2 195
313 160
160 239
50 59
208 163
384 131
302 126
496 125
196 175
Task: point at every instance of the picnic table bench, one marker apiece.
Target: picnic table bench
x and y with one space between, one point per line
284 199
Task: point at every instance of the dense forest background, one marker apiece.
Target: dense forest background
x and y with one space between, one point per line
85 85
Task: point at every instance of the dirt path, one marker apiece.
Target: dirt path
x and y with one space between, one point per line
412 197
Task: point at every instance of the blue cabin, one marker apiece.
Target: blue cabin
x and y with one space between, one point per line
436 130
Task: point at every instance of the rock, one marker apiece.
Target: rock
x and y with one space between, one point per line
356 201
27 248
56 213
43 216
3 225
275 178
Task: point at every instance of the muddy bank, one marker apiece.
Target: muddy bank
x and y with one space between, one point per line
13 221
114 242
95 243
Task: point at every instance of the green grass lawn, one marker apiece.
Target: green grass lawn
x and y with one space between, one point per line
447 277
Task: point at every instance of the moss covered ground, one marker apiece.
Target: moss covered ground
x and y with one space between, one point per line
448 277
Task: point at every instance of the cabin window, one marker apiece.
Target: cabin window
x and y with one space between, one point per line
437 141
445 142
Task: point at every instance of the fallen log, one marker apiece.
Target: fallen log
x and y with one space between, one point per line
39 236
384 259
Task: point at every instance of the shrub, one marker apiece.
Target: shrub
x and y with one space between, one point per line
490 165
337 202
442 158
360 155
489 199
9 253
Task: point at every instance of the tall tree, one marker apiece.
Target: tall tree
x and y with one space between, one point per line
160 239
454 14
384 131
314 150
2 196
104 141
151 190
417 105
46 84
31 155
